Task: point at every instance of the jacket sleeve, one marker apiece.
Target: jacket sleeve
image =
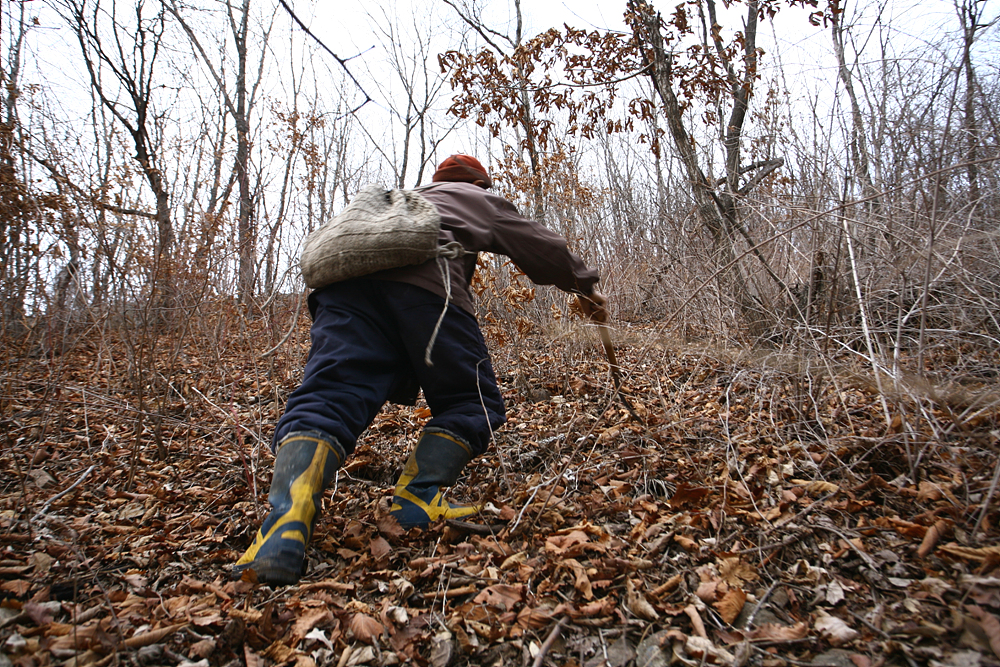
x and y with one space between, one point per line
539 252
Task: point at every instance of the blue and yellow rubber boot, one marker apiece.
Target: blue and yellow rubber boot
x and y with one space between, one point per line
304 466
436 461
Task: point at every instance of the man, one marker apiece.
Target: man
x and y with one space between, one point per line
369 339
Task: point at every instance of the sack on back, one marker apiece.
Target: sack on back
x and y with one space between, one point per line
379 229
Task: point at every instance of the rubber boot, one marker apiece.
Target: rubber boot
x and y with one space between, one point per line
436 461
304 466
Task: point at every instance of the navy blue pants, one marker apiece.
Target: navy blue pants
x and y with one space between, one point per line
368 343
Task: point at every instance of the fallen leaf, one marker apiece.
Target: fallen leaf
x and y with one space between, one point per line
365 628
18 587
389 526
364 655
703 650
42 613
153 636
379 548
688 495
928 492
834 593
637 603
861 660
736 571
41 562
990 625
307 621
203 649
686 543
535 618
697 625
781 633
968 553
280 653
708 591
816 487
833 629
731 604
563 544
581 581
442 649
931 538
500 596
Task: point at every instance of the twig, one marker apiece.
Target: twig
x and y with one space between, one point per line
760 603
549 641
295 321
475 528
45 507
850 545
616 371
989 498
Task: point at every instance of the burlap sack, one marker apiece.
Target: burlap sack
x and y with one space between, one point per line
379 229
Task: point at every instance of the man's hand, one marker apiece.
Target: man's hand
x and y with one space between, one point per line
594 306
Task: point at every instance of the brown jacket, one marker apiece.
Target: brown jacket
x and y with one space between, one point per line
484 222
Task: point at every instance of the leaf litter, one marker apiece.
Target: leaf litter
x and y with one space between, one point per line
726 515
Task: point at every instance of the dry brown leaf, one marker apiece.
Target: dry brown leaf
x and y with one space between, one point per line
968 553
708 591
536 618
688 495
816 487
637 603
365 628
252 658
252 616
308 620
707 653
990 625
201 587
389 526
601 607
280 653
41 562
931 538
905 528
582 581
500 596
570 544
379 547
736 571
203 649
686 543
697 625
41 613
860 660
153 636
833 629
731 605
928 492
515 560
18 587
780 633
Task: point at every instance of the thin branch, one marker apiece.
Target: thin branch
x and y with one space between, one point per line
341 61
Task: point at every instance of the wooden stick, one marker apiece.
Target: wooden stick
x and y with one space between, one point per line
549 641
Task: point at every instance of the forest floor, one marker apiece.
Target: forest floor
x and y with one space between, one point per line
725 509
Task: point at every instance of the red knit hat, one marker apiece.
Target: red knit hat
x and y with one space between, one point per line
463 169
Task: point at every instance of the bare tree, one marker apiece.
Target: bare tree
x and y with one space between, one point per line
970 15
410 53
121 47
240 102
730 75
504 52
